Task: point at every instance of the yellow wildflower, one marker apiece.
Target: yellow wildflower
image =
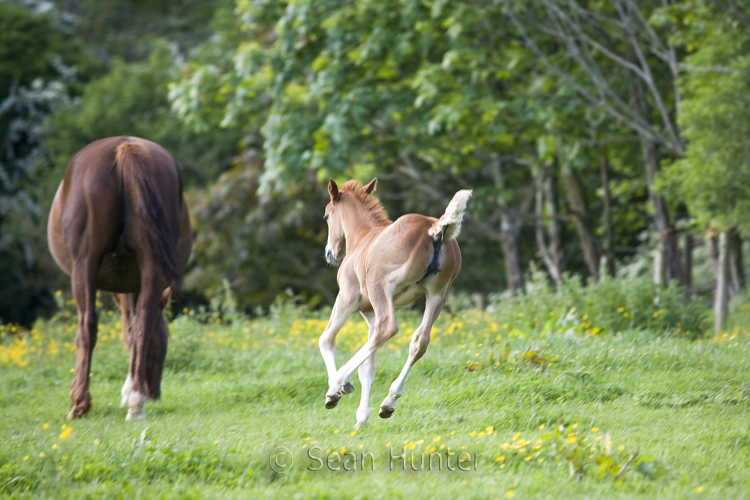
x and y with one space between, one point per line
66 432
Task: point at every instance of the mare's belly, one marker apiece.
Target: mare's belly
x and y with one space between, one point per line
119 273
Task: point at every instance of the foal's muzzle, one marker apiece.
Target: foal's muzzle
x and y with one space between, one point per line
331 259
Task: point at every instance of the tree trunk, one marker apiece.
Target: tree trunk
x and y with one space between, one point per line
609 235
553 229
659 277
584 227
736 266
688 274
509 230
550 253
711 242
651 159
722 284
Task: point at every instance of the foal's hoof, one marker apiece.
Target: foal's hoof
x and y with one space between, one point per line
386 412
347 389
332 401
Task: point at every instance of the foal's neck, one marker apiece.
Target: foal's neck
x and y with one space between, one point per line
359 226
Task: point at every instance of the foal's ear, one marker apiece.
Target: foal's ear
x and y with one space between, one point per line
333 190
370 188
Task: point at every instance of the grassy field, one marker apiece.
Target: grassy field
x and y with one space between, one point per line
503 405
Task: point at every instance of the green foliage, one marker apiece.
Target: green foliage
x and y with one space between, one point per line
37 45
348 87
262 245
41 67
607 307
714 177
132 100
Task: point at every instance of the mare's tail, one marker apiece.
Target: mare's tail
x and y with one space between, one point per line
132 163
449 224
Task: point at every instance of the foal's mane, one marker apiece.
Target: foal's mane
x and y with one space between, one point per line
371 206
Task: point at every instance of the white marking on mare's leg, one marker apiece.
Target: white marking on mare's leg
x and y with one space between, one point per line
136 408
125 392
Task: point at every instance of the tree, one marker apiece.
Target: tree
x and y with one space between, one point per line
614 59
40 69
421 89
714 176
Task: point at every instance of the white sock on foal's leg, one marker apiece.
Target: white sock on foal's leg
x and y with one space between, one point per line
366 376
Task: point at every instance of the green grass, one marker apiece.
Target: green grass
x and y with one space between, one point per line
236 395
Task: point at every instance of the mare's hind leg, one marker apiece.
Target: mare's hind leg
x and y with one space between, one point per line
157 349
419 342
146 345
366 376
156 354
126 302
83 281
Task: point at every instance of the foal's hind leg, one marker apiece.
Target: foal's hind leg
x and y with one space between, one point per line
366 376
83 280
419 342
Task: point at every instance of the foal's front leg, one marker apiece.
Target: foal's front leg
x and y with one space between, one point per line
346 304
385 326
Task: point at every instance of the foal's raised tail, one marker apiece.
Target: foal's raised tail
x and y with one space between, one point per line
449 224
131 161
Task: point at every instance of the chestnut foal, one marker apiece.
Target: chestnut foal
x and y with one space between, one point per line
119 223
384 265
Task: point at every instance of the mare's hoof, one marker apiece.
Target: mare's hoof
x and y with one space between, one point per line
347 389
79 410
135 415
332 401
386 411
75 413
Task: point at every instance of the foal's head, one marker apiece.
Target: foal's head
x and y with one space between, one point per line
336 244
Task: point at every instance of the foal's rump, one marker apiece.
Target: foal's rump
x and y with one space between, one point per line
406 255
421 247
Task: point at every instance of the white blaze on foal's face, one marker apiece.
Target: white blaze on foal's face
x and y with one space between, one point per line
336 244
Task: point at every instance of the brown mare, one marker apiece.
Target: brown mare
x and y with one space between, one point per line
119 223
384 265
